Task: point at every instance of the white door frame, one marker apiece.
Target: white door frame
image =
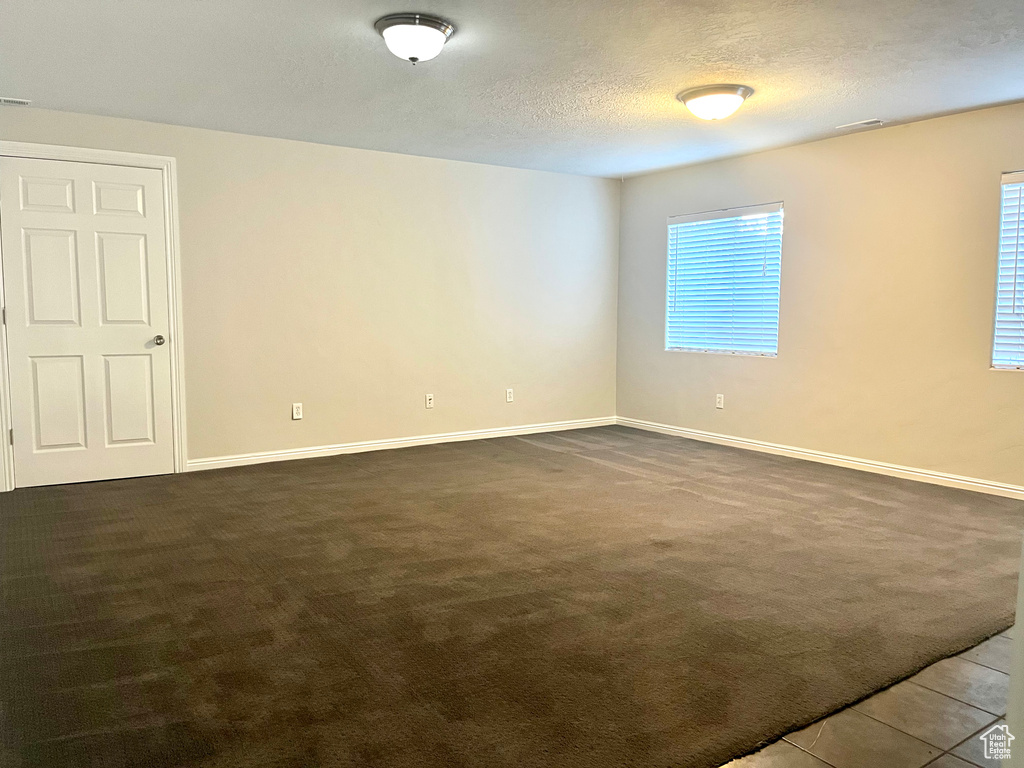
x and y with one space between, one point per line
168 168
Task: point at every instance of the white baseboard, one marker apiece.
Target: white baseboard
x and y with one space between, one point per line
867 465
241 459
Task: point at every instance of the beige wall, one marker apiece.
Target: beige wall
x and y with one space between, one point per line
356 281
888 281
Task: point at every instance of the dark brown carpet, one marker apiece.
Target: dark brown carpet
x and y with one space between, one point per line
583 599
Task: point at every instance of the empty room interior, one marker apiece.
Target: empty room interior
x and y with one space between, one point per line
511 384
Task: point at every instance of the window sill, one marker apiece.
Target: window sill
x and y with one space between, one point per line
729 352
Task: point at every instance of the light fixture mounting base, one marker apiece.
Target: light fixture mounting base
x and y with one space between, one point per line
744 91
420 19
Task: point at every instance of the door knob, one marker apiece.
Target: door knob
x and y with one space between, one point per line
159 340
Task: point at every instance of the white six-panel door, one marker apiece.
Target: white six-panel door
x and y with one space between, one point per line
85 273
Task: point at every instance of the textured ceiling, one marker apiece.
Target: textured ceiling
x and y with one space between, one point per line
564 85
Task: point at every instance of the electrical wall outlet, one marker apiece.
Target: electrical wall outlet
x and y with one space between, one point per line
719 401
428 401
508 395
296 411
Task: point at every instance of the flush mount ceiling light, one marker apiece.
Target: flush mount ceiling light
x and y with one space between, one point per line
714 102
414 36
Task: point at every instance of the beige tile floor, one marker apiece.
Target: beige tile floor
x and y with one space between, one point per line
932 719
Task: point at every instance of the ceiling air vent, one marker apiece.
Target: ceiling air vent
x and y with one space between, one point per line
6 101
872 123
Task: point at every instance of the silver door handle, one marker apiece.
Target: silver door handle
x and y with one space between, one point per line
159 340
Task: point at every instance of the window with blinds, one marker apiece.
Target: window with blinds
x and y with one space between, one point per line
724 270
1008 341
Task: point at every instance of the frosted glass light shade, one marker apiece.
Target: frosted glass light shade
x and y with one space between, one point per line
715 102
414 42
413 36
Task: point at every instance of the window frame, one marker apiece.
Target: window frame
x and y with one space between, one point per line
1011 177
712 215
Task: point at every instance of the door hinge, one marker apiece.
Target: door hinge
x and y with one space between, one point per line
4 313
11 432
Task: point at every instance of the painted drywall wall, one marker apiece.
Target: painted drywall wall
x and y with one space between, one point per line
888 283
355 282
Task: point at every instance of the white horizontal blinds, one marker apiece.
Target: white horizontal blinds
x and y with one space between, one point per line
1008 344
724 270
